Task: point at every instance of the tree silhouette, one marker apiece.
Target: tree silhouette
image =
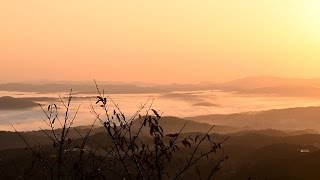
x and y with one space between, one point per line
128 148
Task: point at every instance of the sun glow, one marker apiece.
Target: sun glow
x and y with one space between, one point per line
311 18
205 40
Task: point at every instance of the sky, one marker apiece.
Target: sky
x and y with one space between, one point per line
180 41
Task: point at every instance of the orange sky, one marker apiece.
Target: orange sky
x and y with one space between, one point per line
163 41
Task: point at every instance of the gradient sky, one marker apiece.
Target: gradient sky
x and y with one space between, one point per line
167 41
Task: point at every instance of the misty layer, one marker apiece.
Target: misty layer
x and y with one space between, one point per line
206 104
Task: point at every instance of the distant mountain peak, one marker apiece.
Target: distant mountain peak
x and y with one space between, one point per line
272 81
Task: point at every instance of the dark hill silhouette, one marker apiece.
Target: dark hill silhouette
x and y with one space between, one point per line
10 103
250 151
174 124
283 119
275 132
10 140
281 151
268 132
304 166
170 125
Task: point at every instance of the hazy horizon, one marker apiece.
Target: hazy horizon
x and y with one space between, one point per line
147 83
